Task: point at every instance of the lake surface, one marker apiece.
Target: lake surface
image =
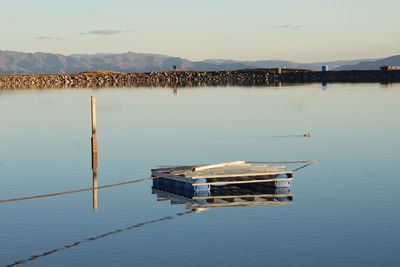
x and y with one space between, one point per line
345 209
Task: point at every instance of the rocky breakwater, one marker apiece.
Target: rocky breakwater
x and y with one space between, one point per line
97 79
348 76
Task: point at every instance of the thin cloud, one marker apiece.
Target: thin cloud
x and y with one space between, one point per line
102 32
47 38
288 27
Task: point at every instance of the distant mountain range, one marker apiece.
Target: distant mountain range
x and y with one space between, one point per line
46 63
372 64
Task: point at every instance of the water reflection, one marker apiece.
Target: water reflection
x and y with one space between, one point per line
223 196
218 196
77 243
95 191
173 86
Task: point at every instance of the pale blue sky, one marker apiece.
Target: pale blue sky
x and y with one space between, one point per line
302 31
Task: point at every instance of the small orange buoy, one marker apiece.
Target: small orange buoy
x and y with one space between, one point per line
306 135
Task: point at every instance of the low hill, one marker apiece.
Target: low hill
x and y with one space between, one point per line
373 64
46 63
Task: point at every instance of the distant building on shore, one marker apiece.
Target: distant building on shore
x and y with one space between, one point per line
390 68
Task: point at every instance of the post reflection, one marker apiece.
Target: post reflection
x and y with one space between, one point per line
95 191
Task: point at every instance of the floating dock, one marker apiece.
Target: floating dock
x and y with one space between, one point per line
202 177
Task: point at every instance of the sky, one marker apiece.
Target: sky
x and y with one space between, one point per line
301 31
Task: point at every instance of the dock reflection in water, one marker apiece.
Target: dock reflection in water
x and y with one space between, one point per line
223 196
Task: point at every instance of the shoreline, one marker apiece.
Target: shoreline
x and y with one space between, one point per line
177 79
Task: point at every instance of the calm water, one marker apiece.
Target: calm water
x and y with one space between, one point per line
345 209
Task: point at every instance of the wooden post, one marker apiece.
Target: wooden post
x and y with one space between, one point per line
94 152
93 102
94 137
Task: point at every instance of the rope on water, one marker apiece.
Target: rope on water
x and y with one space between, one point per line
94 188
305 165
139 180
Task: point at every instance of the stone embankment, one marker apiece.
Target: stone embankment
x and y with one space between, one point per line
351 76
176 79
96 79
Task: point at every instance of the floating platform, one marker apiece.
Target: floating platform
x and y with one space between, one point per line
202 177
224 196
